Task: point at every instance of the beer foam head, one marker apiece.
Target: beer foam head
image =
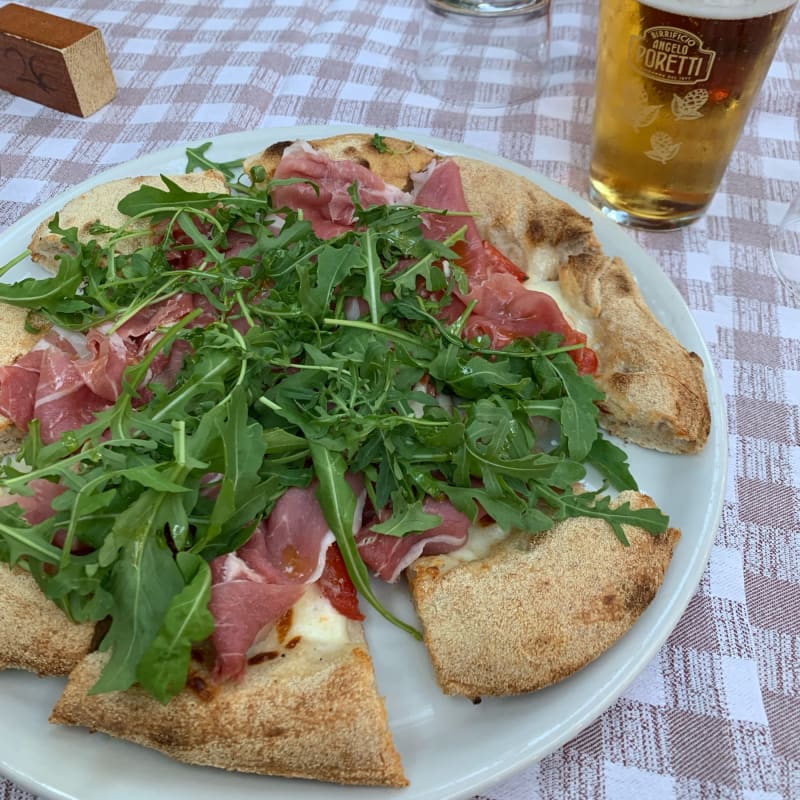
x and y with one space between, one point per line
721 9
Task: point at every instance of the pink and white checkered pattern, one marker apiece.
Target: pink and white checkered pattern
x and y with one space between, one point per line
717 713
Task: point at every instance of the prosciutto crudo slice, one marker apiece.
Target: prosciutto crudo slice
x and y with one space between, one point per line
36 506
66 379
504 308
331 210
388 556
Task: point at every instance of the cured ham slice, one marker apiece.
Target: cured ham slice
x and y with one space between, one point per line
64 387
327 203
36 507
243 603
62 402
297 536
387 556
504 309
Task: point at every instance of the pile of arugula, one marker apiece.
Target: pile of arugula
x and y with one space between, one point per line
306 392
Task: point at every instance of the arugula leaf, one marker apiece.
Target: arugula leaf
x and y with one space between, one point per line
144 579
612 463
578 410
379 143
339 505
51 294
19 539
196 158
152 201
164 665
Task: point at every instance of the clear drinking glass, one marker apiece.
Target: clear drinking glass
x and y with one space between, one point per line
484 54
784 249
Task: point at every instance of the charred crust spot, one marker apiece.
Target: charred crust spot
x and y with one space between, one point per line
201 687
364 163
293 642
203 655
408 185
283 624
276 149
639 596
100 631
535 230
621 282
621 381
260 658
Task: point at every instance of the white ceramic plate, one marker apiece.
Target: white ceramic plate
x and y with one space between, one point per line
450 747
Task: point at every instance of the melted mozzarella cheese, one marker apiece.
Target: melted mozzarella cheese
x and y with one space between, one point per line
480 541
578 321
314 622
315 619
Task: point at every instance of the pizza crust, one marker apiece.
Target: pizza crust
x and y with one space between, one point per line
35 634
539 607
99 204
655 393
308 713
396 164
537 231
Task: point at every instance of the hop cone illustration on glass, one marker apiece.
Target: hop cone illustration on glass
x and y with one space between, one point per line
663 147
688 107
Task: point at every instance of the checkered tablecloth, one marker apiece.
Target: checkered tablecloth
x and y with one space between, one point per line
717 713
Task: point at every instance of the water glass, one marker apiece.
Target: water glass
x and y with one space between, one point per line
484 54
784 249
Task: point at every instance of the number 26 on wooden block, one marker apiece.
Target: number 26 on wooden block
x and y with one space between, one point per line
54 61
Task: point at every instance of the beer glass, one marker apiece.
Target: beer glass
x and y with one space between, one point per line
675 82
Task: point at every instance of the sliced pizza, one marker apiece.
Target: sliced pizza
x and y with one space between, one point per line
512 613
307 706
381 366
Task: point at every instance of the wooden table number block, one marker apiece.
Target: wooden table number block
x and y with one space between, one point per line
54 61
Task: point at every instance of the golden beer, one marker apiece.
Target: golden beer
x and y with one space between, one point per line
675 83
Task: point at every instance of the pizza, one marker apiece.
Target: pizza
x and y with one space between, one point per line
245 395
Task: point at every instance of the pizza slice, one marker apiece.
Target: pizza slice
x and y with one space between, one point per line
258 706
285 684
96 217
306 705
509 614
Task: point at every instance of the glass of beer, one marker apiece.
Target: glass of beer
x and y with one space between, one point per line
675 82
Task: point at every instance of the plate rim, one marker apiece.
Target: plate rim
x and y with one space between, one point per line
616 241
